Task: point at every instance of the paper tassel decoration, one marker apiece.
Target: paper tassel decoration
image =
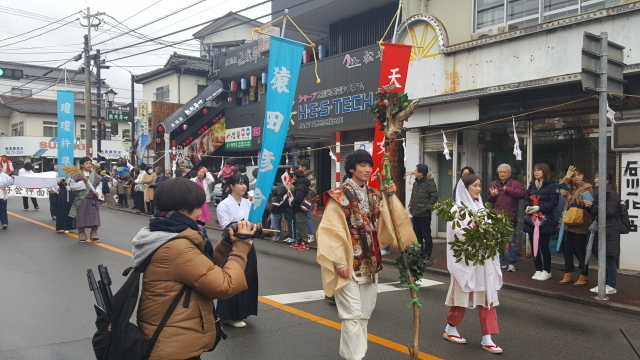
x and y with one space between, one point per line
446 148
252 162
404 145
611 114
516 145
332 155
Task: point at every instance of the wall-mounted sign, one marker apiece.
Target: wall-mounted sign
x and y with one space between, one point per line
630 194
238 138
118 115
349 82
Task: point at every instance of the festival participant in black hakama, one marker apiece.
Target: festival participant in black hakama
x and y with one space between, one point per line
86 207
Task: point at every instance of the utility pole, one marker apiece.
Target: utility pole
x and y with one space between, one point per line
87 80
99 64
87 93
132 122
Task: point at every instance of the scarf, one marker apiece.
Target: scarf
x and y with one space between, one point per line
538 184
362 206
172 221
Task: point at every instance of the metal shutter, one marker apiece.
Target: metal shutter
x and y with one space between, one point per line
434 142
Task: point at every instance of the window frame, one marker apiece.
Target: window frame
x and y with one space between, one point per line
50 125
17 129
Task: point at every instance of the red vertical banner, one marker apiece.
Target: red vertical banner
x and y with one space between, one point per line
393 71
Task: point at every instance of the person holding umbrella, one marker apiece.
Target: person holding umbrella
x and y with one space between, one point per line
540 222
613 233
577 231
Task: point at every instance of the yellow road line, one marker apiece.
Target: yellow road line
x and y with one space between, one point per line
123 252
376 339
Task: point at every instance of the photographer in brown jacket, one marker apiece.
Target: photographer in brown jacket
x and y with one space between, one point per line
178 261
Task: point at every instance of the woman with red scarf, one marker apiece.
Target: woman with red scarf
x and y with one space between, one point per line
7 166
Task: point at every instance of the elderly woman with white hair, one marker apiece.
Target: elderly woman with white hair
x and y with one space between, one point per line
504 194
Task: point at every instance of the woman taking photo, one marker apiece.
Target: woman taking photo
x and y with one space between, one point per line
176 245
540 202
613 233
471 285
204 179
235 208
576 234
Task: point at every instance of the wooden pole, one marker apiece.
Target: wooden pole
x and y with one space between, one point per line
414 349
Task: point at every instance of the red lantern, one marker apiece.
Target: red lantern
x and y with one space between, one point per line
229 99
253 80
234 85
158 140
173 143
185 126
205 111
161 128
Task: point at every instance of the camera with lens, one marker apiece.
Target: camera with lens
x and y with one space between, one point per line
234 226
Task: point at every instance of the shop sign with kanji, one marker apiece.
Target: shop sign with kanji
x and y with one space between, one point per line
238 138
118 115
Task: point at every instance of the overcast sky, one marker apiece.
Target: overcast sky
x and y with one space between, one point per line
54 47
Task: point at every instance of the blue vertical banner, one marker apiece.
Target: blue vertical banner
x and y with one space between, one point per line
282 79
66 129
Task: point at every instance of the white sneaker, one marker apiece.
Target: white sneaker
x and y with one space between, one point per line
511 268
544 276
385 252
607 290
536 275
594 290
311 238
503 266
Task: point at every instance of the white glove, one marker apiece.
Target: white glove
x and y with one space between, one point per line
533 209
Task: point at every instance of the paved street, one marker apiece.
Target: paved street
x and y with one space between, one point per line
47 306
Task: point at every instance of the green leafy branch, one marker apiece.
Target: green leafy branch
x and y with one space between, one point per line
486 232
415 262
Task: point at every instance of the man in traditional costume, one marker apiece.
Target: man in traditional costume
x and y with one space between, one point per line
355 225
86 207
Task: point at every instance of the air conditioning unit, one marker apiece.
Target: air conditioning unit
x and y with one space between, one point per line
496 30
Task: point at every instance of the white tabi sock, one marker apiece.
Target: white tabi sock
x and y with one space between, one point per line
486 340
451 330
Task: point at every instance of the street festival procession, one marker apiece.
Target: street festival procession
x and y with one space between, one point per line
429 158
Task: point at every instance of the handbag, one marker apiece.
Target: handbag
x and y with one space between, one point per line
574 216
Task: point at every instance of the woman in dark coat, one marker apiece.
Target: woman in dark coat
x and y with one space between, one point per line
544 188
66 197
613 233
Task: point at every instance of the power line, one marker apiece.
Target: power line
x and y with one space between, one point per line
156 20
24 33
46 32
208 22
134 15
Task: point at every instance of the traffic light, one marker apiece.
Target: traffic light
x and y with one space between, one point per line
114 128
102 130
14 74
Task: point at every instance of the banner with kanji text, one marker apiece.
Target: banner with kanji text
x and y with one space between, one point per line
393 71
66 129
282 79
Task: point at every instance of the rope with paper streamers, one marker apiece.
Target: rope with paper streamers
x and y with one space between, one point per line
429 134
311 44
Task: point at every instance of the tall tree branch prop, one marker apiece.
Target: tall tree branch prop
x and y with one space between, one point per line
392 109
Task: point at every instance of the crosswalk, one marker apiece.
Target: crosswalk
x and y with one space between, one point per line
310 296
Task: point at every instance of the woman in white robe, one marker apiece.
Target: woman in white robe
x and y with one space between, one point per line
471 285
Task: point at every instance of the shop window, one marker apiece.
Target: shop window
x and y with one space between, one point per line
162 93
201 88
523 9
21 92
50 129
17 129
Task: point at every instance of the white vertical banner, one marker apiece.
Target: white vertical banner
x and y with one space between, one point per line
630 194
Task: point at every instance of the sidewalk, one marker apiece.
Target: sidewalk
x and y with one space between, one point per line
626 300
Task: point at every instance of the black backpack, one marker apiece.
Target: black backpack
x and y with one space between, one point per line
119 339
624 223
